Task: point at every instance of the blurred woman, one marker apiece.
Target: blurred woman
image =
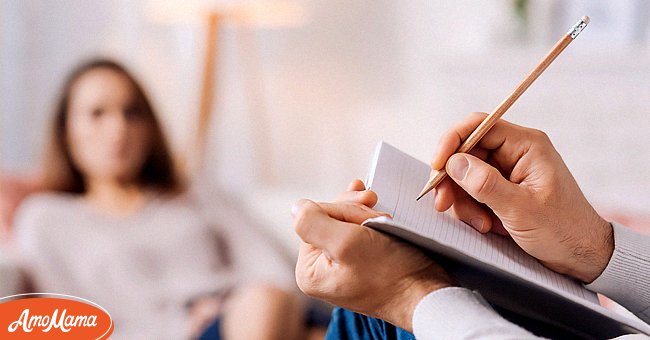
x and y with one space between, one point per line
119 228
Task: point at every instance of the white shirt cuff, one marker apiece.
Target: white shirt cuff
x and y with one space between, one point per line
459 313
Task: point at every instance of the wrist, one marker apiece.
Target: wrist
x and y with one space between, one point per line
400 310
601 248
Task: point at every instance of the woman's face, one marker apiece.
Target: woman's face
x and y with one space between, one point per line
108 133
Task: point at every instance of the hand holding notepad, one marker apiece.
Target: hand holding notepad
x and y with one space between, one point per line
359 269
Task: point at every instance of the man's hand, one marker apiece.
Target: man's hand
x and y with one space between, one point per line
515 182
358 268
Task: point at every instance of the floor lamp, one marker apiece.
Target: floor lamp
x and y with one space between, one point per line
208 88
257 15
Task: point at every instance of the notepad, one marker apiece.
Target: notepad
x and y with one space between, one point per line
398 178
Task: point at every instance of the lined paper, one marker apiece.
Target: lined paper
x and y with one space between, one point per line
397 178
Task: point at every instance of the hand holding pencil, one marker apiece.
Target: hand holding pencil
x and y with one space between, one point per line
438 175
515 183
511 180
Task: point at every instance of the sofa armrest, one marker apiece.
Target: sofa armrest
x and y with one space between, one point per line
13 190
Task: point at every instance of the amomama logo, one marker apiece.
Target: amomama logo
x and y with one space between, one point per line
52 316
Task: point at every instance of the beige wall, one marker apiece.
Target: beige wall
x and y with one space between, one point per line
301 108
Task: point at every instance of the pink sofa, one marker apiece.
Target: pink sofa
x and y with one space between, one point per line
13 189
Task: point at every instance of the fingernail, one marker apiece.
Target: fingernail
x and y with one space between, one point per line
457 167
477 223
386 215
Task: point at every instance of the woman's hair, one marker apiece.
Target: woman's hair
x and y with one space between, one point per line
61 173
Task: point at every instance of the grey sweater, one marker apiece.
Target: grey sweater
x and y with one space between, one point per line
142 268
458 313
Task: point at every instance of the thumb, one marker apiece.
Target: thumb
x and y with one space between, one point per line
482 181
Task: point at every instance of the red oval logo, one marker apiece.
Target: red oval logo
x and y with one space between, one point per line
53 316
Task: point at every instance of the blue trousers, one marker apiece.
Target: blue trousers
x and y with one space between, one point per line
315 317
213 332
345 325
349 325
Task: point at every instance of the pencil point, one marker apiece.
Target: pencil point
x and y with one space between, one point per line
424 192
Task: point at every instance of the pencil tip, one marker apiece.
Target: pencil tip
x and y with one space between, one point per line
424 192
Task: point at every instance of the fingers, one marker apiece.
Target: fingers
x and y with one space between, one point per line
316 227
450 196
330 226
473 214
497 226
356 192
350 212
444 195
482 181
468 210
452 139
366 197
513 139
356 185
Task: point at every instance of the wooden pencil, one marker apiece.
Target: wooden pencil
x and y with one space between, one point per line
437 176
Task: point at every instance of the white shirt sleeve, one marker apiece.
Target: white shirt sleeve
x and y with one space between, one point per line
459 313
626 279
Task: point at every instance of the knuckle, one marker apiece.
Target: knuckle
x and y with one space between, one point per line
344 196
343 250
346 249
540 136
449 137
302 220
486 183
357 206
300 224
